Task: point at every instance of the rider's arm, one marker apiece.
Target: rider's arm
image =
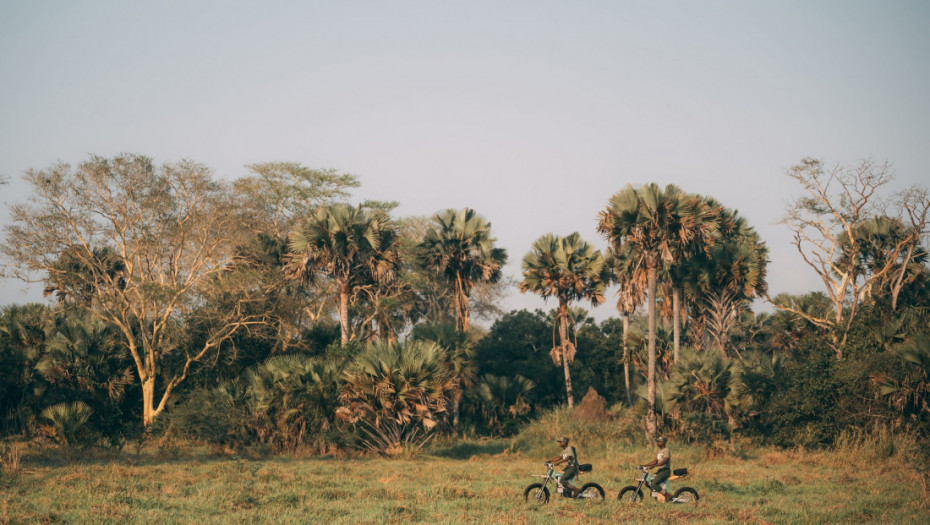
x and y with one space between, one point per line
652 463
660 463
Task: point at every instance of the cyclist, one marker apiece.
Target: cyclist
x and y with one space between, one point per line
569 457
663 461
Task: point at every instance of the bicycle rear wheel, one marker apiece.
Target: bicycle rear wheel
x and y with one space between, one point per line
686 495
591 491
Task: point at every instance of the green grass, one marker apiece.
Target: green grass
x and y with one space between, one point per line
464 482
865 480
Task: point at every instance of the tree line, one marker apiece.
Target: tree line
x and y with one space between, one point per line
271 311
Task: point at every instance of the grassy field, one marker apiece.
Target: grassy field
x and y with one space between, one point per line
465 482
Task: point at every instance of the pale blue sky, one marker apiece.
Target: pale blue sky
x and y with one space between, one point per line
531 112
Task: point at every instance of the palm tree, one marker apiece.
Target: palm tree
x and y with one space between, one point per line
459 357
654 221
459 247
886 248
631 279
711 217
569 269
346 244
725 278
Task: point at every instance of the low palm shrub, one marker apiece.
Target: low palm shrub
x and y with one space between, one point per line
293 399
396 395
67 422
499 405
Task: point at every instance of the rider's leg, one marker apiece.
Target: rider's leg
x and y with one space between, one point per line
567 478
661 477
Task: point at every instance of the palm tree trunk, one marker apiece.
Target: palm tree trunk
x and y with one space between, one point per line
651 373
626 360
676 322
461 306
344 311
563 339
456 403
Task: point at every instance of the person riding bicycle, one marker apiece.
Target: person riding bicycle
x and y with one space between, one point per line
569 457
663 461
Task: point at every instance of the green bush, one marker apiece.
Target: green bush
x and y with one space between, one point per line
219 416
602 439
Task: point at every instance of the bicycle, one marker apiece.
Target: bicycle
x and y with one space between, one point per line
539 492
632 494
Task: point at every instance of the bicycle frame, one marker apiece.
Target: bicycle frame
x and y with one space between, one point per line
552 475
646 480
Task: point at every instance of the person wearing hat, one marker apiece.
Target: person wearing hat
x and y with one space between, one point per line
570 457
663 461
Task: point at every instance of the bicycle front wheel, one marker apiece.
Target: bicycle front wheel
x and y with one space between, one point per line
536 493
630 494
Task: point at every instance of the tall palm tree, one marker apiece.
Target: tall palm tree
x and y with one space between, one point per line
460 248
711 217
726 277
569 269
631 279
653 221
347 244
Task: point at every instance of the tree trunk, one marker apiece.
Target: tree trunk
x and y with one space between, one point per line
148 400
563 339
626 360
456 403
676 322
344 312
461 305
651 372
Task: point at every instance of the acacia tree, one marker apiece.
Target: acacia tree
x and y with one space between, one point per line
460 248
569 269
173 234
276 194
829 223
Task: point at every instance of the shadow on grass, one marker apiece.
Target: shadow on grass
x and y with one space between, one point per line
467 449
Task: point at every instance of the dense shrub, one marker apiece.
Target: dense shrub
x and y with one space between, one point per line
219 416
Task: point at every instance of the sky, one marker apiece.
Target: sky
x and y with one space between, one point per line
531 112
